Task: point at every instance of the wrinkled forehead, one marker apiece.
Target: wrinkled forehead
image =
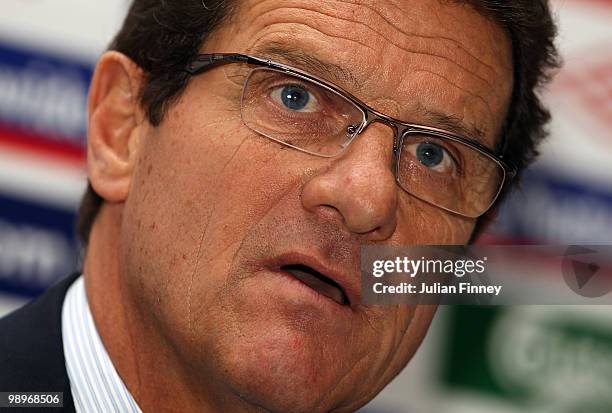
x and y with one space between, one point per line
412 59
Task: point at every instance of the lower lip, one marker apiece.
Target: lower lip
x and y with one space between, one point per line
301 293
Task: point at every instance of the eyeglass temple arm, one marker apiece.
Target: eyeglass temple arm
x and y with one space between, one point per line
206 61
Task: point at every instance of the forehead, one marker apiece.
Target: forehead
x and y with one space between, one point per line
421 61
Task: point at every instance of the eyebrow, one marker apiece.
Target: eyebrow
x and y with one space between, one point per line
294 56
300 59
453 124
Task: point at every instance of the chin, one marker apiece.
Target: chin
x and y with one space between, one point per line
284 370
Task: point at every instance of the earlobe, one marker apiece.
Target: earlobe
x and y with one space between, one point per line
114 124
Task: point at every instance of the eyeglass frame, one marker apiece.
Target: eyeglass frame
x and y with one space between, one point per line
205 62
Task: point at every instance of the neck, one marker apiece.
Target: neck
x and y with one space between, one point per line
152 371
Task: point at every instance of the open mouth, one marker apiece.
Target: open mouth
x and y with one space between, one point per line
317 281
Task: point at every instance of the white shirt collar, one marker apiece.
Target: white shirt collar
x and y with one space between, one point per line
95 384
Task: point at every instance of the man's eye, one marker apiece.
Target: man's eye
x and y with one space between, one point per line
433 156
296 98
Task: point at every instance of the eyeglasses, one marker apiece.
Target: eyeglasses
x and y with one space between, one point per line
309 114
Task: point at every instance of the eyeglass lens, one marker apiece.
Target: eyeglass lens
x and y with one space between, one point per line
448 173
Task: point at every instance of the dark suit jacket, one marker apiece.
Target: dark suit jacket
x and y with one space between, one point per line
31 352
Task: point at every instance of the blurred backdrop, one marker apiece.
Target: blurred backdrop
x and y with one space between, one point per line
500 359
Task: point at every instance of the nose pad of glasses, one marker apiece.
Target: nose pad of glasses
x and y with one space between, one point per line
351 132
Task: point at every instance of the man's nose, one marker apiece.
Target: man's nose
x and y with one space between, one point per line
359 185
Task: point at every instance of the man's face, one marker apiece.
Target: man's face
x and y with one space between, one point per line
214 210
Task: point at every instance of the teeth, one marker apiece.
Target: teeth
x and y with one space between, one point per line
317 282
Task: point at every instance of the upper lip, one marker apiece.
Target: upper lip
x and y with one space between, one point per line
347 280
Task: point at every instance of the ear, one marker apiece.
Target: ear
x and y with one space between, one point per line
114 122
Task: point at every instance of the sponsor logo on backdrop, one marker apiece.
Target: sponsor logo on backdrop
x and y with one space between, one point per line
586 83
43 95
542 354
42 111
551 209
38 245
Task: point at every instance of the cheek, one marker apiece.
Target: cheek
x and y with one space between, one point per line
195 194
420 223
176 190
